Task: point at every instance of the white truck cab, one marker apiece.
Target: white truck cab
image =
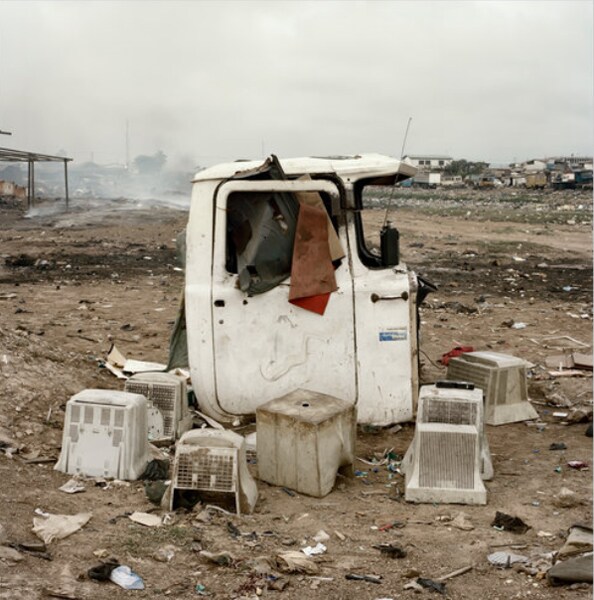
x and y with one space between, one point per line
247 344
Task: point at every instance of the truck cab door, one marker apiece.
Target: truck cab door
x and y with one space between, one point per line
265 347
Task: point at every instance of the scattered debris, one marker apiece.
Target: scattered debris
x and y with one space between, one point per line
430 584
579 465
102 571
457 351
157 469
321 536
578 541
56 527
10 555
506 559
146 519
391 550
574 570
73 486
368 578
165 554
314 550
295 562
462 521
126 578
505 522
223 559
566 498
558 446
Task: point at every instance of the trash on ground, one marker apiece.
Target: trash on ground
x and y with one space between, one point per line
321 536
506 559
519 325
574 570
223 559
368 578
573 360
579 465
508 523
457 351
10 555
391 550
165 554
155 490
430 584
102 571
73 486
314 550
566 498
57 527
65 588
293 561
578 541
157 469
126 578
580 415
462 521
146 519
558 446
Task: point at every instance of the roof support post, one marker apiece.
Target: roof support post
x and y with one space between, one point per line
66 182
29 185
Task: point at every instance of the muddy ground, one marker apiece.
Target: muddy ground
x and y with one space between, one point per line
72 284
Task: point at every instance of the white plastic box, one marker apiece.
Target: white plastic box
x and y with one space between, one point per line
449 455
503 380
304 438
168 393
105 435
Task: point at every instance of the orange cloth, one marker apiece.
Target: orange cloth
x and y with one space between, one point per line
312 272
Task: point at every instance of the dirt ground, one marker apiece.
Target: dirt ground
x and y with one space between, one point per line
72 284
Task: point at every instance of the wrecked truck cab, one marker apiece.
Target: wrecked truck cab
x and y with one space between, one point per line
283 292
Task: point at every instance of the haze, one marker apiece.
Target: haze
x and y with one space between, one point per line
207 82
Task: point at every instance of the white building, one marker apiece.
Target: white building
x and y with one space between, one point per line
428 162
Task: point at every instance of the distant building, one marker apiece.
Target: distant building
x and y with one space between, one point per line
584 162
428 162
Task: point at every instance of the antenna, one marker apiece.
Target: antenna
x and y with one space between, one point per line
405 136
393 187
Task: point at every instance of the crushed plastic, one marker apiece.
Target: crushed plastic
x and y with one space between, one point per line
126 578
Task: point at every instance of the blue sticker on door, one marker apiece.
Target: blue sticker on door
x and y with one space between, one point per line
393 335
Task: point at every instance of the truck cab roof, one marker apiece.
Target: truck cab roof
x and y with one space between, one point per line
347 168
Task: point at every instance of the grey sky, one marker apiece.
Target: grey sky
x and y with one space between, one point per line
208 82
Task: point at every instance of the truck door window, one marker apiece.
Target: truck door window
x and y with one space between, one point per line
371 198
260 234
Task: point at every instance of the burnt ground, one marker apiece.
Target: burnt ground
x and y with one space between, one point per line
72 284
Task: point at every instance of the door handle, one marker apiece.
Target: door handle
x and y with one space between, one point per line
375 298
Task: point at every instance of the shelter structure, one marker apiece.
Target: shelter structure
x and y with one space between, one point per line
10 155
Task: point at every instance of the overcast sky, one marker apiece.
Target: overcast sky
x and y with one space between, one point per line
213 81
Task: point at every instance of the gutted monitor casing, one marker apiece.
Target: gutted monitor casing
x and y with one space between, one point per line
503 380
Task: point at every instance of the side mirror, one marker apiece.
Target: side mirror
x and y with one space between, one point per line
390 245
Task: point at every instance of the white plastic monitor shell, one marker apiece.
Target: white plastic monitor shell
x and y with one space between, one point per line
105 435
440 451
503 380
204 442
255 349
432 392
180 418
